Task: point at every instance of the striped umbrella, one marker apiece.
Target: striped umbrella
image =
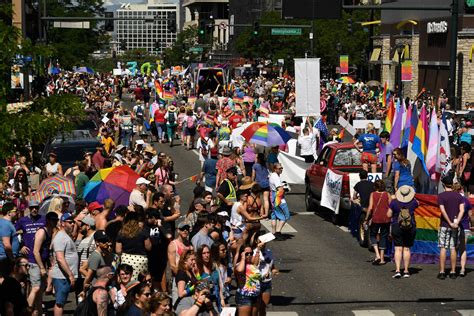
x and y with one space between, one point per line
56 184
266 134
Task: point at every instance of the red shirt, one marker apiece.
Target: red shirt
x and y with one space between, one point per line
234 120
159 116
223 164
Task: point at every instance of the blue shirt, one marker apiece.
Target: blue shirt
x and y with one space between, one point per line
466 137
405 174
261 175
7 230
210 172
369 142
272 158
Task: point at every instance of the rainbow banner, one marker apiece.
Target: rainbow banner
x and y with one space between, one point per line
407 70
344 64
248 99
237 100
159 89
191 100
427 216
168 96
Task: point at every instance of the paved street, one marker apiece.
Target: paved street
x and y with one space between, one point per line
323 269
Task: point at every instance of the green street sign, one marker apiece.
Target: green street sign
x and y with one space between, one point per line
287 31
196 50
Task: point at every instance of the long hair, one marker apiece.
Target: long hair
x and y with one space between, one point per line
56 205
199 262
401 157
23 181
131 226
261 159
185 256
138 289
215 254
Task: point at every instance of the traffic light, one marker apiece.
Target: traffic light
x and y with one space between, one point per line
109 24
349 26
172 26
123 45
202 30
256 28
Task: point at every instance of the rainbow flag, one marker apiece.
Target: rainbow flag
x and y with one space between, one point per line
158 89
237 100
194 178
396 133
278 198
390 115
341 134
192 100
168 96
344 64
427 217
248 99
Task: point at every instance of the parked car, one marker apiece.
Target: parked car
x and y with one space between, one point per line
340 158
70 147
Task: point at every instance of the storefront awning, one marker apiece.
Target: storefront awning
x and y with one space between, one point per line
375 56
470 53
404 55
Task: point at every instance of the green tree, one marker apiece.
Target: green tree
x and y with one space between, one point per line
179 53
73 46
44 117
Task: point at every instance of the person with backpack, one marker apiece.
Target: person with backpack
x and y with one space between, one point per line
171 122
189 129
138 116
402 212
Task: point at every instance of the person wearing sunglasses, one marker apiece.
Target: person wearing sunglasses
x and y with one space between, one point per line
280 213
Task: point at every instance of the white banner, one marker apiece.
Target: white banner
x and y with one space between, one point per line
363 123
354 179
331 194
307 80
294 168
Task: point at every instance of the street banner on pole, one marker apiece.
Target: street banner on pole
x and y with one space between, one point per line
331 194
307 87
344 64
406 70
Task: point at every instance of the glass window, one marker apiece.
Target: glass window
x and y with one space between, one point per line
347 157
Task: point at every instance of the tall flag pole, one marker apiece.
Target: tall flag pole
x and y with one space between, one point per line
444 147
406 128
384 96
432 162
396 133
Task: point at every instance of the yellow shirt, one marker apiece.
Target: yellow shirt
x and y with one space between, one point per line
108 143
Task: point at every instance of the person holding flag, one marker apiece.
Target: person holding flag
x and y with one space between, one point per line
370 143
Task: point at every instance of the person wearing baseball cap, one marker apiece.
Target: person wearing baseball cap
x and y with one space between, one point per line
100 257
137 197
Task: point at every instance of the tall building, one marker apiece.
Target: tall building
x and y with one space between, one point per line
426 40
151 30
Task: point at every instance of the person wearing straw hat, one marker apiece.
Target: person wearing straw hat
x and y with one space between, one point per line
370 142
403 227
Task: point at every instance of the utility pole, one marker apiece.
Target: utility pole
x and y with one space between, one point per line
453 55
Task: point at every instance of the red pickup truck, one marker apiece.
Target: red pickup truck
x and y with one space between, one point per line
341 158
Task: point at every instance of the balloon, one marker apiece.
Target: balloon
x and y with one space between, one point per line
132 67
145 68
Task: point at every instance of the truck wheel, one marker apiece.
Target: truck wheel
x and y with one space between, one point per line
308 198
363 233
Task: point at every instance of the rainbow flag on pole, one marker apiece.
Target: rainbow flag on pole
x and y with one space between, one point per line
390 115
158 89
344 64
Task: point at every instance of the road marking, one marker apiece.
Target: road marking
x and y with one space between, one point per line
466 312
305 213
344 229
286 229
370 312
282 313
195 151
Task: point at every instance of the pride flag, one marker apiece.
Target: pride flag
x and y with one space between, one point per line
427 217
278 197
396 133
168 95
411 155
390 116
406 128
158 89
384 96
432 161
344 64
419 141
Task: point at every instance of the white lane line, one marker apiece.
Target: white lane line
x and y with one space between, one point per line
370 312
305 213
286 229
282 314
344 229
195 151
466 312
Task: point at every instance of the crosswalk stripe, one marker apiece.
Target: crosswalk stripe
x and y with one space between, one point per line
282 314
466 312
305 213
288 229
370 312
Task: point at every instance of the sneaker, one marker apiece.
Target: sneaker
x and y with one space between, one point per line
441 276
452 275
406 275
462 274
397 275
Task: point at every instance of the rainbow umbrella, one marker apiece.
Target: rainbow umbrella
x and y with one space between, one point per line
346 80
55 185
114 183
265 134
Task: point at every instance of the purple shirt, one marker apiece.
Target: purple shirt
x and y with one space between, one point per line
451 201
29 226
465 221
396 207
387 150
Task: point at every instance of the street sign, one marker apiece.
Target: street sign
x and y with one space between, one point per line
196 50
286 31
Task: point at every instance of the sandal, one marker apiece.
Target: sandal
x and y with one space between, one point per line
397 275
381 263
375 261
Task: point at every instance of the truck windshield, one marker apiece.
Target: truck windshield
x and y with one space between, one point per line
347 157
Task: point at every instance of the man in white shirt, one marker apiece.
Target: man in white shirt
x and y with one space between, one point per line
137 197
280 213
307 143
